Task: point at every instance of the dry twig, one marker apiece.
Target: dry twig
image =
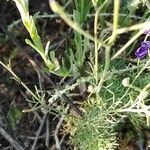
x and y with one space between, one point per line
38 132
58 145
13 142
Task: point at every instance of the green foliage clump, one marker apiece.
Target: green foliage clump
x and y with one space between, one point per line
94 131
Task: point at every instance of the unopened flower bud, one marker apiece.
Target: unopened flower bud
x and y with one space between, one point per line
126 82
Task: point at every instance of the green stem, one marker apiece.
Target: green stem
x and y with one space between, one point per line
59 10
127 44
110 43
96 45
96 58
106 68
142 69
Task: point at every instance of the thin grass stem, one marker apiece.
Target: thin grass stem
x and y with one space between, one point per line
19 80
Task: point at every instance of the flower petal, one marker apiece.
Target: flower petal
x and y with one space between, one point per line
141 52
145 44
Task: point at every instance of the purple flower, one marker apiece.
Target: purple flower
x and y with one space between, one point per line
142 51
